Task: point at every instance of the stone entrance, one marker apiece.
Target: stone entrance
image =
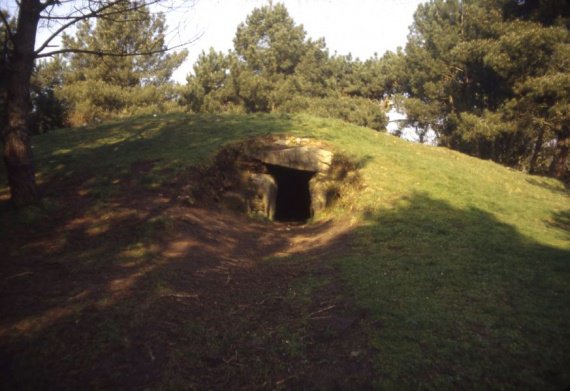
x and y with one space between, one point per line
284 179
293 198
293 168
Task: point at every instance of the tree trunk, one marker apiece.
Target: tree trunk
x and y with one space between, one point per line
17 152
536 151
558 167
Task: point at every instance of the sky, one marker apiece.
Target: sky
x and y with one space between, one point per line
359 27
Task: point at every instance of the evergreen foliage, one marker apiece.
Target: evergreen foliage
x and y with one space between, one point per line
275 67
49 111
98 87
493 77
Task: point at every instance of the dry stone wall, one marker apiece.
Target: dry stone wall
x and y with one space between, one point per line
252 188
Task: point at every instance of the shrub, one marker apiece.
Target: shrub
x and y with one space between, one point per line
359 111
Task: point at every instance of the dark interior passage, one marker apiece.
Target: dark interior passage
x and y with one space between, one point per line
293 201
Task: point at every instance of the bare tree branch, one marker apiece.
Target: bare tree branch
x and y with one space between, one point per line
111 54
74 20
81 12
93 13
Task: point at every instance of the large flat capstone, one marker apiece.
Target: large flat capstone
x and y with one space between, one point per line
299 158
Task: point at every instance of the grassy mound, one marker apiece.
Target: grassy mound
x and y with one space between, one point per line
461 266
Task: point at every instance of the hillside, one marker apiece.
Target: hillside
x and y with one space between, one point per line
441 272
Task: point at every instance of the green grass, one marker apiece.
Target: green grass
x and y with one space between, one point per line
463 265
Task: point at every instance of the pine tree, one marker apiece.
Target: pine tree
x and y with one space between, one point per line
487 69
269 46
211 88
48 110
276 68
270 42
100 86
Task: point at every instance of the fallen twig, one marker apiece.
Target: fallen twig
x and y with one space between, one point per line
321 310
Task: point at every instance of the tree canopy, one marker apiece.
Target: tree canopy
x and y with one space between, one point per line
275 67
102 86
493 76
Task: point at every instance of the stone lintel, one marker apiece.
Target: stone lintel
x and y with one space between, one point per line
299 158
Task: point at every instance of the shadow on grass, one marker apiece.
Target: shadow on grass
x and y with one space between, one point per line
556 187
151 294
176 139
97 157
461 300
177 298
561 220
118 284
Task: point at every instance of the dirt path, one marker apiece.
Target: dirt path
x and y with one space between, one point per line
144 292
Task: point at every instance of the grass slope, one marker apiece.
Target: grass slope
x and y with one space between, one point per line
462 265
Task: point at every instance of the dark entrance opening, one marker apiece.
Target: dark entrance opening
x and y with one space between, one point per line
293 201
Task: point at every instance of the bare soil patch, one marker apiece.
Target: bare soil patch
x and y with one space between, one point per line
142 290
